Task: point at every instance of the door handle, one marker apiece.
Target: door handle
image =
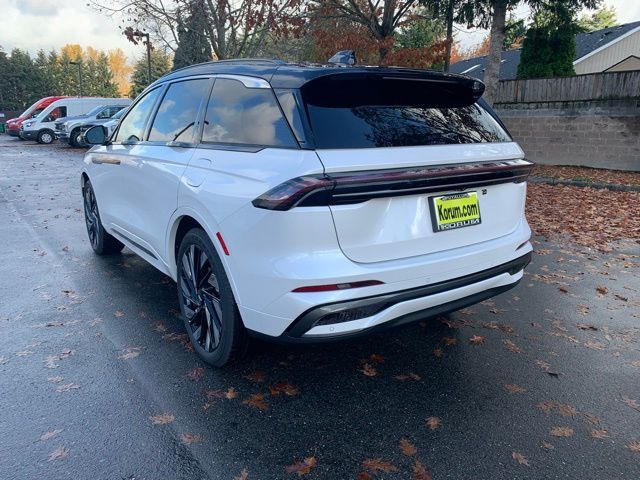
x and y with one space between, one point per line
105 159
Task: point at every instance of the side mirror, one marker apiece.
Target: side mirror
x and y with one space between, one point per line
96 135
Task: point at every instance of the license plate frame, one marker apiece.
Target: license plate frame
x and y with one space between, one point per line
455 215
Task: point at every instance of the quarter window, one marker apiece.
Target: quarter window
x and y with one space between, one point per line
132 126
245 116
178 111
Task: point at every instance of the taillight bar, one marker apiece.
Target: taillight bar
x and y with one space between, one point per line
357 187
337 286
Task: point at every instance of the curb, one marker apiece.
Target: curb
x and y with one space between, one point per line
577 183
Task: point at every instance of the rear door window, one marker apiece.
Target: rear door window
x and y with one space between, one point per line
367 113
238 115
178 111
132 126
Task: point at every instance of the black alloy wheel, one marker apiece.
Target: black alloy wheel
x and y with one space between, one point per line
101 242
210 313
201 298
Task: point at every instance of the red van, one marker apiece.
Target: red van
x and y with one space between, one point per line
13 124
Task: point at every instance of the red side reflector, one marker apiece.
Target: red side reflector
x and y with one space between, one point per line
222 244
338 286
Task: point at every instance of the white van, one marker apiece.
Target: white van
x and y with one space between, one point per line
42 127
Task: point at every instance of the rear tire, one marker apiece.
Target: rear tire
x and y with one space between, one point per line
45 137
101 242
208 307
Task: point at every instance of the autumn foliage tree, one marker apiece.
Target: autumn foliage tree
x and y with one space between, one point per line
403 41
233 28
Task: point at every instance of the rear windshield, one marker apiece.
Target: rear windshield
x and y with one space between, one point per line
396 113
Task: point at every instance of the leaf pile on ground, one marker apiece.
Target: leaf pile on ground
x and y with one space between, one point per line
590 217
586 174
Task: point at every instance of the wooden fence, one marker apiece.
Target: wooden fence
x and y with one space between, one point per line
598 86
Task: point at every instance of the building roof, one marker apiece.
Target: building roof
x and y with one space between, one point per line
586 43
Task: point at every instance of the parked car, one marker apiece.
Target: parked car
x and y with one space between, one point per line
41 128
311 203
13 124
109 125
68 129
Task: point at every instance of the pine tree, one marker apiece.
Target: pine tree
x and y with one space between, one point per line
549 47
193 43
160 65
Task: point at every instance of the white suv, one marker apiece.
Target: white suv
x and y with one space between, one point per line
309 203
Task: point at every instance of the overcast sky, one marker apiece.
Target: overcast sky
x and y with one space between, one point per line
47 24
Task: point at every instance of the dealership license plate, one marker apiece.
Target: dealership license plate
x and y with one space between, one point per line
453 211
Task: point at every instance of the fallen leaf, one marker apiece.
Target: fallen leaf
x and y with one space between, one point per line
599 433
591 418
547 405
584 326
374 357
562 431
620 297
407 448
129 353
420 472
189 438
231 393
518 457
634 446
162 419
368 370
243 475
547 446
449 341
160 327
302 467
58 453
256 400
477 340
67 387
566 410
50 434
411 376
513 388
375 465
196 374
512 347
592 344
602 290
364 476
257 377
283 387
437 352
55 379
630 402
119 313
433 423
563 289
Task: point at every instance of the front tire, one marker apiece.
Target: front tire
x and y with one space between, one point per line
75 139
102 242
45 137
209 310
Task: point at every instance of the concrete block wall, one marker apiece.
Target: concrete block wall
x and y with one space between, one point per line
602 134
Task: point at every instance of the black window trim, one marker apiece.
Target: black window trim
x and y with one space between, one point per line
198 121
161 88
241 147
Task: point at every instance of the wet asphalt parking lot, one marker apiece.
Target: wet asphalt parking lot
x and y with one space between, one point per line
97 379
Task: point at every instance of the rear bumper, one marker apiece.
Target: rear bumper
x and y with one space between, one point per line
400 308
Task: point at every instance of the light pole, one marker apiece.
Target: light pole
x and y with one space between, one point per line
79 64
